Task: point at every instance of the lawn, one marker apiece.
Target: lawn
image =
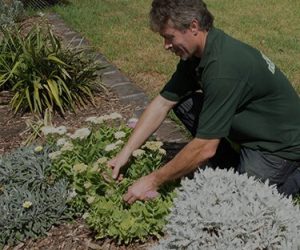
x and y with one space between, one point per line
119 29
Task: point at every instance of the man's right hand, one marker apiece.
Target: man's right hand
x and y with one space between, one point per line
117 163
150 120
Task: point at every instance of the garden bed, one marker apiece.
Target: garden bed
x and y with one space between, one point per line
13 132
73 235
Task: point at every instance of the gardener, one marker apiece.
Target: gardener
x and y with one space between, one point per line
222 88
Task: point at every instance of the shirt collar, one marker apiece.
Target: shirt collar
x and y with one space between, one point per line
211 36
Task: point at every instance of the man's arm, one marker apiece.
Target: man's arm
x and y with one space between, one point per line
195 153
150 120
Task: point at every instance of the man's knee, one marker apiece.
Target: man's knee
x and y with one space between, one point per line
265 166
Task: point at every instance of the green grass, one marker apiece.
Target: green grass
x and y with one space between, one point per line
119 29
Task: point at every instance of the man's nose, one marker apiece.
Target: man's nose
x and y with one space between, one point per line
167 45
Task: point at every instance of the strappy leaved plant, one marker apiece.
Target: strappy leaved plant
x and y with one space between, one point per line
44 75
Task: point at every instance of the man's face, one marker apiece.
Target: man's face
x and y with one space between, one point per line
181 42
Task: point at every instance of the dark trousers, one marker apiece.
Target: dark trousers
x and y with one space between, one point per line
283 173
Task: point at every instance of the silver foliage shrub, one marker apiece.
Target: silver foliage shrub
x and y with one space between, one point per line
220 209
10 12
30 200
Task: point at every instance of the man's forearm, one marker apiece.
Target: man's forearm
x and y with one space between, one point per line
194 154
150 120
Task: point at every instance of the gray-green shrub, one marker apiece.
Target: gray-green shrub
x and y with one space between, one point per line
10 13
220 209
30 200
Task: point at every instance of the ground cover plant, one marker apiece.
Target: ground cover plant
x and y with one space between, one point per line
219 209
261 24
44 75
30 200
82 157
10 12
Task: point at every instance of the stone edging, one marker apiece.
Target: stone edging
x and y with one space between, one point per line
113 78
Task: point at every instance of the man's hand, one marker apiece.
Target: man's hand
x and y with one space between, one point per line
144 188
116 163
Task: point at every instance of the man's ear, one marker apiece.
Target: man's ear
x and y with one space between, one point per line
195 26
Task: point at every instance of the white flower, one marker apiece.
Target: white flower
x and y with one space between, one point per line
119 142
153 145
91 119
68 146
110 147
38 149
48 130
131 123
90 199
41 14
53 130
27 204
97 120
72 194
87 185
61 130
61 141
115 116
54 155
95 167
80 167
81 133
104 117
102 160
137 153
119 135
85 215
162 151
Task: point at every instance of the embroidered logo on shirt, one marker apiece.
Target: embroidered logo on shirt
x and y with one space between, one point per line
271 65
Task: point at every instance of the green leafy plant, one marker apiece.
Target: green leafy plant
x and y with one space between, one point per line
82 157
31 201
10 12
44 75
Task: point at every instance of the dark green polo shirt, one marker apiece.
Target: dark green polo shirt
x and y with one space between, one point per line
246 97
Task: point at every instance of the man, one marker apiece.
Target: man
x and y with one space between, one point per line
222 88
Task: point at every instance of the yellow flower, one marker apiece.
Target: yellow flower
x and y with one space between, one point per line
38 149
27 204
80 167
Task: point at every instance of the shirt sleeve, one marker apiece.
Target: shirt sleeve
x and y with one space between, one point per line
221 99
181 83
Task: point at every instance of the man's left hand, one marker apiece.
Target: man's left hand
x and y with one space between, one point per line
144 188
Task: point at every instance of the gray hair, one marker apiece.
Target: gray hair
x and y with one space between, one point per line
180 13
